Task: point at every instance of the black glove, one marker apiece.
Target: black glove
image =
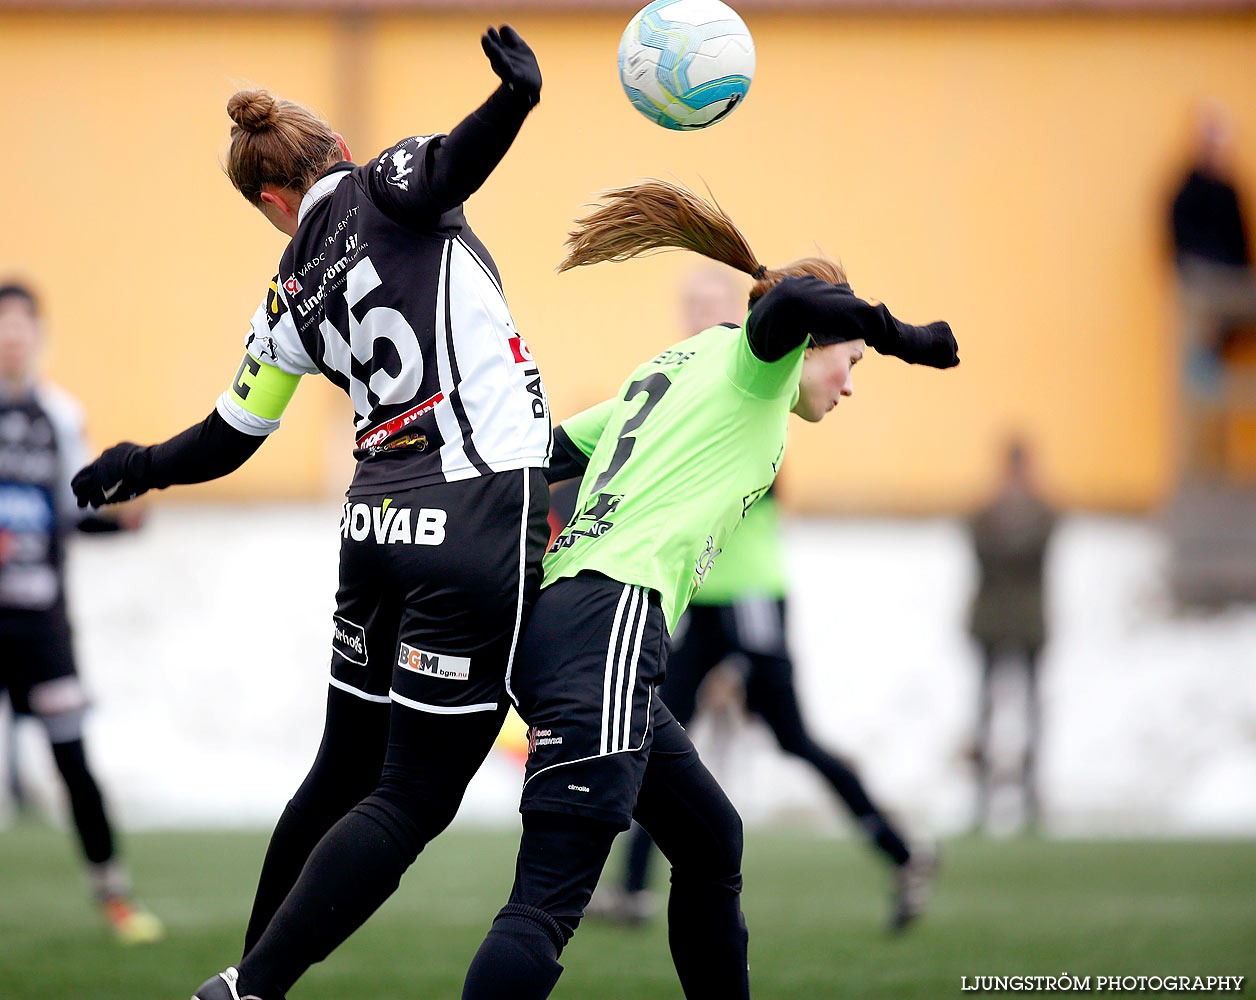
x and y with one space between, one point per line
120 473
514 62
933 344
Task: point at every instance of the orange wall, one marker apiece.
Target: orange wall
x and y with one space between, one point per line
1007 173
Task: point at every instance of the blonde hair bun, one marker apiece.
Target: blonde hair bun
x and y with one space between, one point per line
252 110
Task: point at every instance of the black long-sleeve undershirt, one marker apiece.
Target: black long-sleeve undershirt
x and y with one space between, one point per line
454 166
462 161
567 461
205 451
806 307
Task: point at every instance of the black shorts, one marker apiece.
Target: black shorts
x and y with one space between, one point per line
591 657
37 663
750 632
435 583
753 626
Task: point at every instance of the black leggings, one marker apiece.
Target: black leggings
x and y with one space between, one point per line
37 671
87 807
356 866
345 770
561 857
86 804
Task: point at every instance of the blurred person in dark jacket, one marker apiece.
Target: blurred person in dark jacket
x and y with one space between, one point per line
1010 535
1216 284
1207 216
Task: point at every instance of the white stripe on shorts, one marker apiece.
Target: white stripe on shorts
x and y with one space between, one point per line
523 559
604 745
625 643
632 676
381 699
422 706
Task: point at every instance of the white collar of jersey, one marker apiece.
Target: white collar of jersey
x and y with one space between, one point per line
320 189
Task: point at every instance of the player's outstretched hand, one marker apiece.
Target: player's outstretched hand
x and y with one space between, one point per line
933 345
112 478
513 61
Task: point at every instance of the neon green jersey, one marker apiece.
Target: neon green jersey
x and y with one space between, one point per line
753 561
693 439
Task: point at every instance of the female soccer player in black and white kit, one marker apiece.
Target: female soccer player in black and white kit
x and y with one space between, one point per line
386 291
670 467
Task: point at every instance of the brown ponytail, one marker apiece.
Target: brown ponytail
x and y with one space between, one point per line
276 142
658 215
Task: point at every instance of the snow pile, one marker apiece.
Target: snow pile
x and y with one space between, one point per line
204 640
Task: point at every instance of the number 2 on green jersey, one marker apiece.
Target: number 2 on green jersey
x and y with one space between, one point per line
653 386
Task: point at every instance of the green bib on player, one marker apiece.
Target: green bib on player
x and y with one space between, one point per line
693 440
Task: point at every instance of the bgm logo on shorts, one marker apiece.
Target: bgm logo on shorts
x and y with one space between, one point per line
450 668
349 640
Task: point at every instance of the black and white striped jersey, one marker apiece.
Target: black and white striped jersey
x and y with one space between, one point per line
41 446
388 292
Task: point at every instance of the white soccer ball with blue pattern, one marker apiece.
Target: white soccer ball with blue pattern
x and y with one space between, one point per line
686 64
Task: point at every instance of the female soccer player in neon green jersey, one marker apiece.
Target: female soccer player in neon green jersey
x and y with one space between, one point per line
670 467
739 618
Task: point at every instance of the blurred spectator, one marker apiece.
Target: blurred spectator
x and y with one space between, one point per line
1010 536
1208 228
41 445
710 296
1217 292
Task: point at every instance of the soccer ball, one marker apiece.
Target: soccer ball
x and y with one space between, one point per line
686 64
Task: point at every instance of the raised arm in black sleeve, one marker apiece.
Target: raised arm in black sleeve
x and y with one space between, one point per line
799 308
454 166
462 161
208 450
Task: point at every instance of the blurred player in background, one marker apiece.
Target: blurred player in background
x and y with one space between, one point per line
41 444
740 612
669 468
386 291
1010 535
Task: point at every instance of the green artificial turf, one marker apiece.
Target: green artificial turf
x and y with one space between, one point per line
815 906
